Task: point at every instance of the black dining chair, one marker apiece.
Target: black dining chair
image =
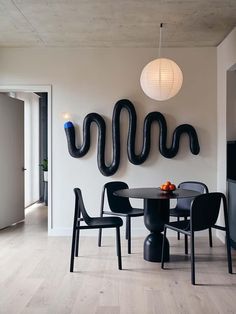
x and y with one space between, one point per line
182 208
91 223
119 206
204 212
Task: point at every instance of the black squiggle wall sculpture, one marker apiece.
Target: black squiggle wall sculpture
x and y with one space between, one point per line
135 159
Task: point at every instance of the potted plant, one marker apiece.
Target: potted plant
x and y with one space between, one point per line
44 166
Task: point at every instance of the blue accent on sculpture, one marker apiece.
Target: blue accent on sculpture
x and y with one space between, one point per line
68 125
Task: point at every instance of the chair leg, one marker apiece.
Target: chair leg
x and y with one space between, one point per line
185 241
101 215
100 234
73 249
127 228
186 244
118 247
178 234
192 259
100 237
128 223
210 237
229 257
163 249
77 240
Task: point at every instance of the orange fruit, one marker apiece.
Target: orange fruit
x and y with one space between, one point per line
167 183
165 187
172 187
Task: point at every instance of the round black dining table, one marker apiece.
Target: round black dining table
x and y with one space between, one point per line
156 214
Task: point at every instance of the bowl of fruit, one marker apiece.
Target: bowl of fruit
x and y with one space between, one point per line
168 187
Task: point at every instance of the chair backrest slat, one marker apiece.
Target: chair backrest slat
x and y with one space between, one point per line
80 203
116 203
185 203
205 210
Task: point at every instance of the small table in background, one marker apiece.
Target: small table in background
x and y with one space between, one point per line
156 214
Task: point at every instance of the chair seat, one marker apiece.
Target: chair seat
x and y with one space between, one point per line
105 222
178 212
134 212
182 224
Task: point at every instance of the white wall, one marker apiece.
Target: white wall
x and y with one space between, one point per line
92 80
226 60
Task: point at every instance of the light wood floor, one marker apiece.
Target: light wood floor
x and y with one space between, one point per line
35 277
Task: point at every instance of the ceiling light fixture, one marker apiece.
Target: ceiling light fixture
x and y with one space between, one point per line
162 78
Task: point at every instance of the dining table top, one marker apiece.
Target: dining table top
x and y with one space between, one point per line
155 193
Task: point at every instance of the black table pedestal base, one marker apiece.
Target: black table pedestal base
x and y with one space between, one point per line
156 214
153 248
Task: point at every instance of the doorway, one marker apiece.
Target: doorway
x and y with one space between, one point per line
44 93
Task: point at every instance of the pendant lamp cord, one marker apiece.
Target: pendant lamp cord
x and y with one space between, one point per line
160 40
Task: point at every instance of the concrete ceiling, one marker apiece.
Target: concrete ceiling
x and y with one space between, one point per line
115 23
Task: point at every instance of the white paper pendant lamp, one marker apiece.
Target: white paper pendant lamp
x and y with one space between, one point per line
161 78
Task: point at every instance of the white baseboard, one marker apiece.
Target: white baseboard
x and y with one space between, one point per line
60 232
65 232
220 235
136 232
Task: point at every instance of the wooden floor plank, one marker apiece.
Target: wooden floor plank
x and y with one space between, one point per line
35 277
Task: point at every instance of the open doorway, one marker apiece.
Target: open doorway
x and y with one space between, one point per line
37 151
43 147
